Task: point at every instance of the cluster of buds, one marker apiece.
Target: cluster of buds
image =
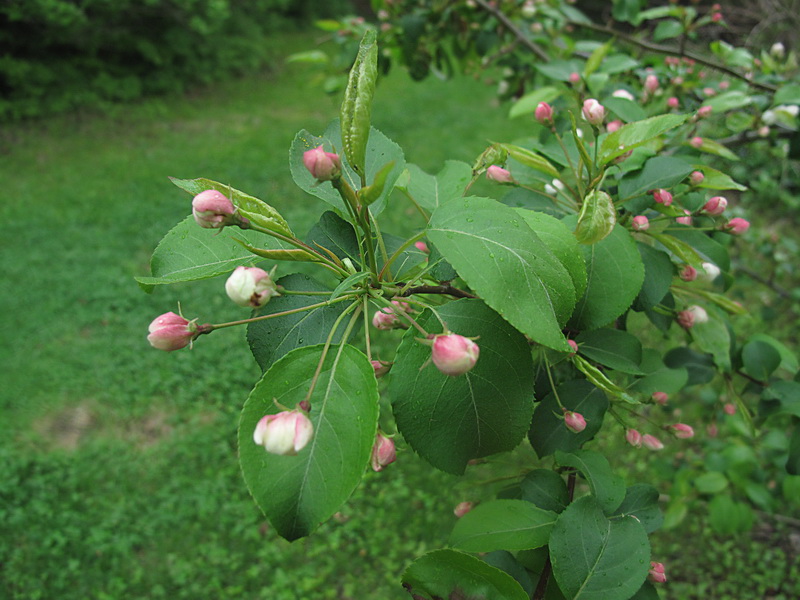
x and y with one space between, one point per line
250 286
171 331
389 318
284 433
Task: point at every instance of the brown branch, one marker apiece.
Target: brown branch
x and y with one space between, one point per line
437 289
785 294
531 45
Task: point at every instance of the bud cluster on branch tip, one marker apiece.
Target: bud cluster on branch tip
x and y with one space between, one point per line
594 112
380 367
692 316
634 438
454 354
574 421
688 273
383 452
544 113
651 442
662 196
686 219
285 433
462 508
681 430
640 223
660 398
499 175
171 332
715 206
250 286
737 226
212 210
656 573
387 318
324 166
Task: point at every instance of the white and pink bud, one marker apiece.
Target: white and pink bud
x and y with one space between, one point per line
544 113
383 452
212 209
660 398
688 273
696 178
640 223
171 332
686 219
463 508
673 102
681 431
737 226
499 175
594 112
250 286
324 166
634 438
624 94
651 84
613 125
651 442
763 131
662 196
656 573
284 433
710 272
715 206
454 354
692 316
574 421
389 316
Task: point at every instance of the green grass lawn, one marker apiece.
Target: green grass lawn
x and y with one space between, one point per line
118 469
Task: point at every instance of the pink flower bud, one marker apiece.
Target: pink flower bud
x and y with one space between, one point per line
729 408
422 247
544 113
688 273
660 397
687 220
212 210
574 77
656 573
651 442
715 206
737 226
383 452
381 368
709 91
250 286
763 131
716 17
594 112
673 102
704 111
640 223
662 196
634 438
454 354
681 431
692 316
285 433
672 61
385 319
712 430
651 84
574 345
677 80
574 421
613 126
724 85
171 332
696 178
324 166
462 508
696 142
498 175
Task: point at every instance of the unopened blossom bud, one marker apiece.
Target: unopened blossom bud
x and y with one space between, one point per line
574 345
662 196
574 77
594 112
777 50
710 272
640 223
574 421
763 131
681 431
656 573
686 220
454 354
383 452
498 174
724 85
651 84
651 442
385 319
462 508
613 125
729 408
624 94
250 286
673 102
381 368
715 206
688 273
212 209
660 397
692 316
634 438
422 247
284 433
737 226
712 430
696 142
544 113
324 166
171 332
672 61
696 178
704 111
677 80
716 17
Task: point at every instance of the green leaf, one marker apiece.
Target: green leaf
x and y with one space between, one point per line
699 366
607 488
451 420
596 219
613 348
299 492
257 211
659 378
713 147
624 109
788 359
728 101
788 94
357 102
712 482
595 558
188 253
793 460
707 247
619 63
348 283
641 501
658 273
615 276
451 574
781 397
760 359
559 70
503 525
508 563
548 433
600 380
716 180
635 134
728 517
530 159
679 248
667 29
369 194
528 103
596 58
659 172
314 57
430 191
546 489
712 336
273 338
495 251
335 234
